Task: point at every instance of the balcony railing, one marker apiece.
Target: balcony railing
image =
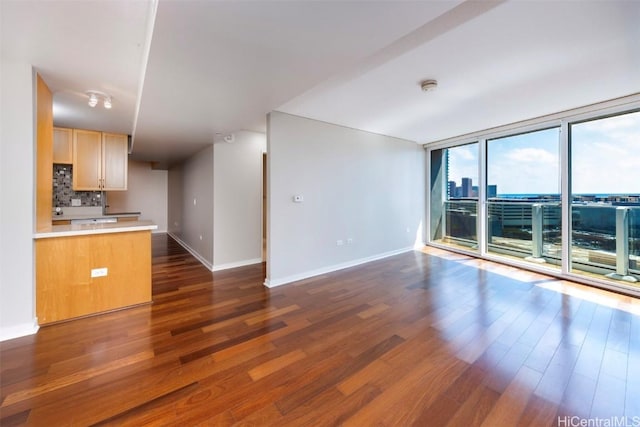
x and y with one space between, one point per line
605 239
461 222
529 230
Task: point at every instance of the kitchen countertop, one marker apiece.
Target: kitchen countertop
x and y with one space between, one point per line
64 217
89 229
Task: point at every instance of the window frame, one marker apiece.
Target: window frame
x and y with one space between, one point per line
562 120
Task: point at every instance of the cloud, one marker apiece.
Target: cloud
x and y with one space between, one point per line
464 153
531 155
605 158
615 123
606 155
463 162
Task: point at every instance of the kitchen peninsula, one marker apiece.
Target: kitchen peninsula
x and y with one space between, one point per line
87 261
84 269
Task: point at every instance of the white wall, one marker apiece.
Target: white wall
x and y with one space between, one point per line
189 182
146 193
356 185
226 181
237 207
174 200
17 296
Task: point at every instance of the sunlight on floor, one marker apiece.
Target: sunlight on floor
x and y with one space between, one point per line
587 293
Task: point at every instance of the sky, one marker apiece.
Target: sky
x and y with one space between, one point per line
605 159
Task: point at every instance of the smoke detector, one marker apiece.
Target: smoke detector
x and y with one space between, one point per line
428 85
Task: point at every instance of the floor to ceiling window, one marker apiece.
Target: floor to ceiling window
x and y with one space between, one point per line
605 194
523 196
590 231
454 196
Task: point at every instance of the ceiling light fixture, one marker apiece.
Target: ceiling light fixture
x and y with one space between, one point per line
93 100
428 85
95 96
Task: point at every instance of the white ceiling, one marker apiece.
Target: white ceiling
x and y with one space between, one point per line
217 67
78 46
519 60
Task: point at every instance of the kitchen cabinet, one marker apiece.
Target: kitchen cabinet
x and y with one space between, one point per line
114 161
62 145
84 274
99 161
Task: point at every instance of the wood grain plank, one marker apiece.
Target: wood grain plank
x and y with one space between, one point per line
276 364
509 407
415 339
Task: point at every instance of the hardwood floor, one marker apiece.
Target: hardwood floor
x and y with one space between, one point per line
427 339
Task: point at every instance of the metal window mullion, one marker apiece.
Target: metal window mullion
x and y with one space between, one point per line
565 191
444 167
427 200
482 197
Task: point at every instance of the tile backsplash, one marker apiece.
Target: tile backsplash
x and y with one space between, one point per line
63 192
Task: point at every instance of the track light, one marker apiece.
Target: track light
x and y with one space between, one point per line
93 100
95 96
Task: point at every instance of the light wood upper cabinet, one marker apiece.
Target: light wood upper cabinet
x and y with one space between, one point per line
87 160
63 145
99 161
114 161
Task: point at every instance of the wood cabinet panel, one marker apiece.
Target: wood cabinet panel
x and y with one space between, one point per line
87 160
61 222
65 288
44 155
62 145
114 161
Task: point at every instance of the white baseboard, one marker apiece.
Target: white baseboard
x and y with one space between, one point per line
270 283
17 331
237 264
192 251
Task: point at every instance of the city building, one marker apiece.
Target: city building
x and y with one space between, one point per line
467 187
492 191
453 189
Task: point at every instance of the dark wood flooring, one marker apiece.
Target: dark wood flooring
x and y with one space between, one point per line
426 339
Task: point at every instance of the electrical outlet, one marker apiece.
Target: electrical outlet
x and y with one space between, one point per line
339 242
99 272
349 241
76 202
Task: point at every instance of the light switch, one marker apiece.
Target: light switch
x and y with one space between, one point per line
99 272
